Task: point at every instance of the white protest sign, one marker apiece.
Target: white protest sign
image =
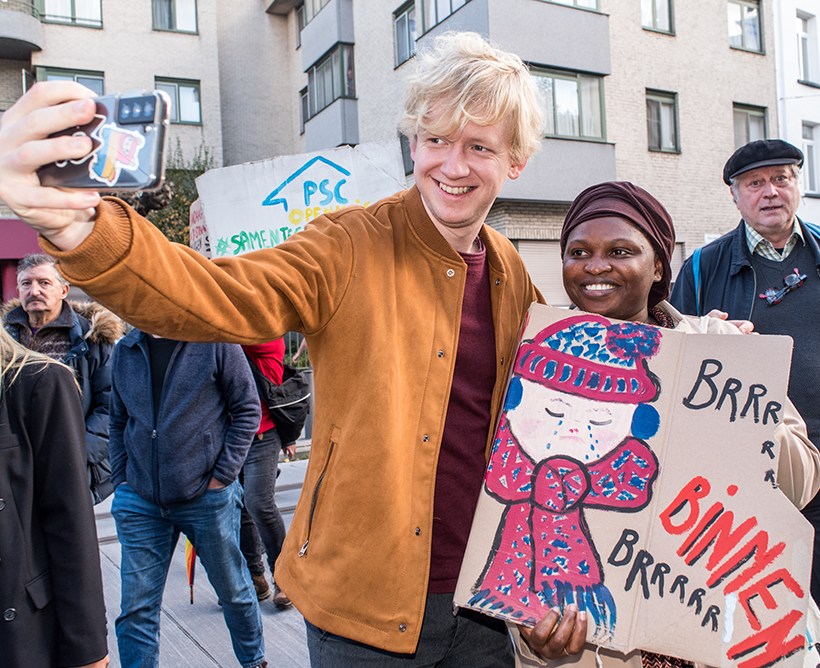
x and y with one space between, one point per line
260 204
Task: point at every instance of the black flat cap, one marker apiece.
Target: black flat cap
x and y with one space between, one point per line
761 153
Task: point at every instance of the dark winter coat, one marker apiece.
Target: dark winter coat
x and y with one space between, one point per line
51 597
93 334
207 419
728 281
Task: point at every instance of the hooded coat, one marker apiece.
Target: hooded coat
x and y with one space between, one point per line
93 332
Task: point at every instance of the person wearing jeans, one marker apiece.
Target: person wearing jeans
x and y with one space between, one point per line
182 419
262 523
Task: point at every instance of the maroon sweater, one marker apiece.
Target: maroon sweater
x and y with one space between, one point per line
461 462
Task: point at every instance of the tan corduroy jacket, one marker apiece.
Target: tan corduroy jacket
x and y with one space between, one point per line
378 294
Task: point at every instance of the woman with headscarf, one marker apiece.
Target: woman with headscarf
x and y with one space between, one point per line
51 590
616 246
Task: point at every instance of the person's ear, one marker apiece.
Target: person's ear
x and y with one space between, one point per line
658 269
515 170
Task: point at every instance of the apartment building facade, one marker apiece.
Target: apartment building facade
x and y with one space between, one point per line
798 91
652 91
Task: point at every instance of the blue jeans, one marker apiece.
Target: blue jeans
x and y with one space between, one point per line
259 480
466 640
148 535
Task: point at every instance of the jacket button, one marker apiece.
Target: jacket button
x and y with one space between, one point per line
402 627
425 438
11 613
450 273
498 281
418 531
2 504
441 353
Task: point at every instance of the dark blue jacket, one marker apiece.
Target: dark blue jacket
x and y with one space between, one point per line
93 333
727 279
206 421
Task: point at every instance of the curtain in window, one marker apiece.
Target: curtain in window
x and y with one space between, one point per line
93 83
163 14
186 15
349 71
88 12
653 123
402 47
58 10
751 22
662 8
189 104
566 106
735 24
171 89
668 140
811 168
545 84
591 107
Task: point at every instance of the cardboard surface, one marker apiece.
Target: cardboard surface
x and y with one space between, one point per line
633 474
260 204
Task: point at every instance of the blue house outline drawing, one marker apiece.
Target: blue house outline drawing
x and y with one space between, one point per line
270 201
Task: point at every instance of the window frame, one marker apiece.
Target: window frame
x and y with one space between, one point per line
175 105
42 72
663 97
743 38
434 5
312 8
411 33
344 89
654 27
807 53
751 111
811 165
570 75
304 109
195 31
40 6
300 24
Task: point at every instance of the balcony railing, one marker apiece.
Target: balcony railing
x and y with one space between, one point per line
20 6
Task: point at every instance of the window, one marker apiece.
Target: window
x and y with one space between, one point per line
750 124
185 105
312 8
405 28
331 78
811 175
86 13
806 49
300 24
93 80
304 110
662 121
573 104
435 11
657 15
177 15
744 24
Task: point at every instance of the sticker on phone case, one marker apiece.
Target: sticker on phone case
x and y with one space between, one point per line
119 149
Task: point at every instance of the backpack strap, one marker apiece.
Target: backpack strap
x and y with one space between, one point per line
696 275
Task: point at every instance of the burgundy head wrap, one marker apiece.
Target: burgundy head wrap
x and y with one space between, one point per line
628 201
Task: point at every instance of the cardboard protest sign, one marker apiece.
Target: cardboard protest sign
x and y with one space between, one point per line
198 230
633 474
260 204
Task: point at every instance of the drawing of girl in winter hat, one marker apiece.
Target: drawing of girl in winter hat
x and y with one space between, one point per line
572 437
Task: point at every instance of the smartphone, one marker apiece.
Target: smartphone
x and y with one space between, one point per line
128 135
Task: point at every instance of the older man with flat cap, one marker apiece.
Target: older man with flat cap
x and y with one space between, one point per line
767 270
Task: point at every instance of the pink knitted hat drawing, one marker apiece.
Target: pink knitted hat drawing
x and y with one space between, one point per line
591 357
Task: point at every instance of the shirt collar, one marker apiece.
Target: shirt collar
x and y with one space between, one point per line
757 245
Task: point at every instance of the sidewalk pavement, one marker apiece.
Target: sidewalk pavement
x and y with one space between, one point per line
195 636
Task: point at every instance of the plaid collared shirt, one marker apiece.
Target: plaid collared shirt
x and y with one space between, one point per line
759 246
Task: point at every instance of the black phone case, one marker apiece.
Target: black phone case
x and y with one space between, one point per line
125 157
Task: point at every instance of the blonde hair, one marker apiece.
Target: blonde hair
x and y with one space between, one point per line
14 357
474 82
